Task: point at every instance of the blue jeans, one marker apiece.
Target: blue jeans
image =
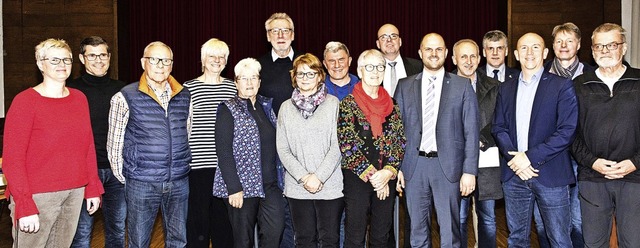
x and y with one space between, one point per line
143 201
486 221
576 218
114 210
520 197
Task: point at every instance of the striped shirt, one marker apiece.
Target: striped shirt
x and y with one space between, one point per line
205 98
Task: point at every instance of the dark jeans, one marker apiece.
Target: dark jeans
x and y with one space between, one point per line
207 219
576 218
362 208
114 210
520 196
486 221
143 201
316 222
600 201
267 212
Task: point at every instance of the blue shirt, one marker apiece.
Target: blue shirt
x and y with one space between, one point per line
524 104
341 91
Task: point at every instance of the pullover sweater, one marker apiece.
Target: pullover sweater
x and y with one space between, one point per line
99 91
308 146
608 124
48 147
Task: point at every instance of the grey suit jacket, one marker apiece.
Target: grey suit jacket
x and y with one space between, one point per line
457 127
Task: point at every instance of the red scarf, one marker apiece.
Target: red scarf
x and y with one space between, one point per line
376 110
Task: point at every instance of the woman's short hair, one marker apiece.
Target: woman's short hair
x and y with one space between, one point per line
371 53
312 62
44 46
247 65
213 46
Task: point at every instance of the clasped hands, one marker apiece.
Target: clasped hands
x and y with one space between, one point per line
311 183
521 166
612 169
380 182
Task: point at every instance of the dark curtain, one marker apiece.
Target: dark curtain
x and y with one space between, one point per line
185 25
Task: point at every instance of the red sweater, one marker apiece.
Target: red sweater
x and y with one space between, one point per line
48 147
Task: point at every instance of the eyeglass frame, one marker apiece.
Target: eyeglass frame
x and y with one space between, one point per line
102 56
309 75
164 61
65 61
391 36
284 31
370 67
613 46
245 79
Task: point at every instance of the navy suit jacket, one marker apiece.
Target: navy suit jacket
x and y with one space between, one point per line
551 130
411 66
457 134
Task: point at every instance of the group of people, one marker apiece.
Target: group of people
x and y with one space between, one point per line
315 156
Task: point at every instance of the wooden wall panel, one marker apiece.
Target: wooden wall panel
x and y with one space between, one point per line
28 22
540 16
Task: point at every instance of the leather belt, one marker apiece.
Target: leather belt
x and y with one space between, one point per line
431 154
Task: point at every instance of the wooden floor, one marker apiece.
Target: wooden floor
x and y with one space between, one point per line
157 239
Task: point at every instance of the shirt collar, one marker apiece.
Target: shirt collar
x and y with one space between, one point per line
275 56
534 79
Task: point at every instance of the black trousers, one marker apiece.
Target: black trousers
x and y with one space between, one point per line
267 212
316 222
363 208
207 218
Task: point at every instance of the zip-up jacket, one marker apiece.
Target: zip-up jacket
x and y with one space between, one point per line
608 123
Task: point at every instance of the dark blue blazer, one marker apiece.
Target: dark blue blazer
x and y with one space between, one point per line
457 128
551 130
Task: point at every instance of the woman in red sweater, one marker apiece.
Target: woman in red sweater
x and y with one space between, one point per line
49 155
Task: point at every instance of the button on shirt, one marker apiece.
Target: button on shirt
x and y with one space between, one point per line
524 104
438 92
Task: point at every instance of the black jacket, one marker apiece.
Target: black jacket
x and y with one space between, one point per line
608 123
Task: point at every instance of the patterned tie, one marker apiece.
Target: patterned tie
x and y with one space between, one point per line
394 80
429 122
495 74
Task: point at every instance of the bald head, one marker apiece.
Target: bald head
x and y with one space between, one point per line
531 52
433 52
388 41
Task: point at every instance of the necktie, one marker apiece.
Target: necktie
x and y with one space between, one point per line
495 75
429 122
394 80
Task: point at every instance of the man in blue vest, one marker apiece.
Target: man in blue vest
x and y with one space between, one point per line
149 151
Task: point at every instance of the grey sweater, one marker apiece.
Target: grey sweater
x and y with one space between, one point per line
310 146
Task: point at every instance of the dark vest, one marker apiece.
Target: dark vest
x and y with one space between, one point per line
156 145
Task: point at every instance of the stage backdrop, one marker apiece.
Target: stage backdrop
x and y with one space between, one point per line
186 25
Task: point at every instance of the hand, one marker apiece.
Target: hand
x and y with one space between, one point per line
236 199
620 169
313 184
400 184
467 184
603 166
93 204
383 193
527 173
519 162
29 224
380 179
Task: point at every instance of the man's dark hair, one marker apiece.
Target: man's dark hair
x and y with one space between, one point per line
93 41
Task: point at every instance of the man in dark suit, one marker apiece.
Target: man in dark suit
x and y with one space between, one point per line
534 124
495 48
398 67
466 56
440 116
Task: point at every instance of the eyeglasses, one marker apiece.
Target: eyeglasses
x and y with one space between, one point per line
276 31
310 75
246 79
155 61
611 46
56 61
393 36
370 68
92 57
